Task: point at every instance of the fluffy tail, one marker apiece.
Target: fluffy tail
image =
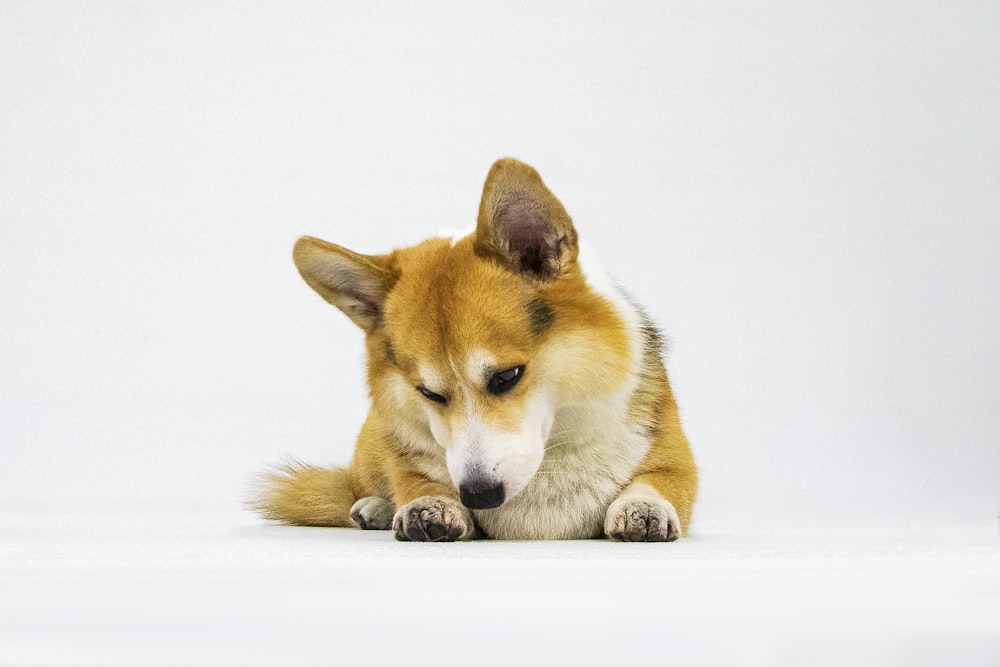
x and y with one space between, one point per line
306 495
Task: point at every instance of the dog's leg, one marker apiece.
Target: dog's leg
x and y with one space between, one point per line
643 513
428 511
373 513
657 505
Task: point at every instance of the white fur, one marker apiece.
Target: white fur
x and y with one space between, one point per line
590 457
601 283
512 458
476 364
641 490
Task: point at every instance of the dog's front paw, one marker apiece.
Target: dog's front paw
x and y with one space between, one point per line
373 513
642 518
433 519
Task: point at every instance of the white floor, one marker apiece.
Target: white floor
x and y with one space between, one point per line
186 587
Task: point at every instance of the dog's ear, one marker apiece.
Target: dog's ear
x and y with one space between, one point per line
355 283
522 224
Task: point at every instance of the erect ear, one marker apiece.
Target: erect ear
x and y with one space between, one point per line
357 284
522 224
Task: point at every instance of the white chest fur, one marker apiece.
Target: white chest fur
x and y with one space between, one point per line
589 459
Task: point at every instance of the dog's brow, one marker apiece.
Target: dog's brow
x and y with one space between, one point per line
476 365
432 379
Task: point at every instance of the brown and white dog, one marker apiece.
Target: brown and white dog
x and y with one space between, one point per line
517 392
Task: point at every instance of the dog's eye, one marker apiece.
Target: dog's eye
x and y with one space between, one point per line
503 381
431 396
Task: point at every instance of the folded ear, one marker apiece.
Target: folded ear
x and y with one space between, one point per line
522 224
357 284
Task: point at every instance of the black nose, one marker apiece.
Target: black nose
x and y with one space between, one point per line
481 495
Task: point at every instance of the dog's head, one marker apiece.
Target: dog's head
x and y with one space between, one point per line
479 341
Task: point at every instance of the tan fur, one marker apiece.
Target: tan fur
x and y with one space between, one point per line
514 293
669 466
307 496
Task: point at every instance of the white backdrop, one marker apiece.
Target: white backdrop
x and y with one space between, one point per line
804 195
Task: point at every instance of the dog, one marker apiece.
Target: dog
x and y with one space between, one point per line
516 392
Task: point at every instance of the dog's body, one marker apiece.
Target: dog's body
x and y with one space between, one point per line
516 392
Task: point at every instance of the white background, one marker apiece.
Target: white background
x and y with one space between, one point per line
805 196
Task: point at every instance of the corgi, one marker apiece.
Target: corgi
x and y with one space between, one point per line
516 392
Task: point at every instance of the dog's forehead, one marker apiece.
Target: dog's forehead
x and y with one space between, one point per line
447 299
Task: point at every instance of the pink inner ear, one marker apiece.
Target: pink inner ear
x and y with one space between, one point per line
531 249
530 239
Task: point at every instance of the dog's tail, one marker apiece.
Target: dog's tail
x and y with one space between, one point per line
305 495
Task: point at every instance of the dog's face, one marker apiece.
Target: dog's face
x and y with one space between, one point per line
481 339
466 337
